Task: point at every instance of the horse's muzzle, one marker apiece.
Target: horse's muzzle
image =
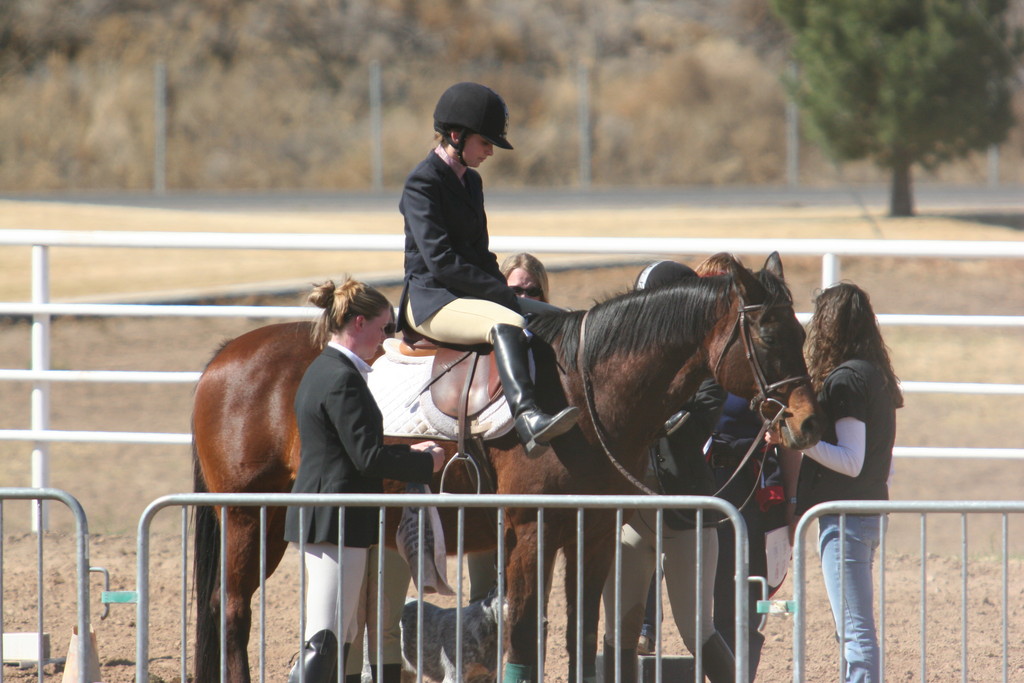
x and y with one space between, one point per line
804 421
808 434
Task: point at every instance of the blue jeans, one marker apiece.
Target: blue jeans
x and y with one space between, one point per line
854 611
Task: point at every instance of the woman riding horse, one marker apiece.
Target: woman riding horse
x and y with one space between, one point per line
454 292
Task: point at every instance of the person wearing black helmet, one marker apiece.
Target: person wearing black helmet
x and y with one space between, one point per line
454 291
677 467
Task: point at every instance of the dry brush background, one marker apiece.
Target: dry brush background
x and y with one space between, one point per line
274 94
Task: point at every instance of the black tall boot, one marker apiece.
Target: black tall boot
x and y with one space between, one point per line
755 644
718 660
389 673
318 660
627 659
535 427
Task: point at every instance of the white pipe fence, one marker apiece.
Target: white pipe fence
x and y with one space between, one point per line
42 309
538 244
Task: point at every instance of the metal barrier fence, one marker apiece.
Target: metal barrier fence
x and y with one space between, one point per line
886 509
963 509
82 582
461 503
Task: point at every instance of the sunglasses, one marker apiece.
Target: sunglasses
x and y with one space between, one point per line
389 329
527 291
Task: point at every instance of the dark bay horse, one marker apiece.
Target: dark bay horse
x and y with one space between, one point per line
628 363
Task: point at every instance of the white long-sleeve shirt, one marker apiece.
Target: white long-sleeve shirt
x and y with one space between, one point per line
847 456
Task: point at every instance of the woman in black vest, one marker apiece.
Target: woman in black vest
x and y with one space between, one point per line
343 451
454 291
849 365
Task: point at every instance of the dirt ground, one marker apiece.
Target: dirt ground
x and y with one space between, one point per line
115 482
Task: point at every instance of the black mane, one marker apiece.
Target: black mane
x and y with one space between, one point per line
639 320
636 321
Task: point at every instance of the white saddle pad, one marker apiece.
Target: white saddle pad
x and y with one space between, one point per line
396 382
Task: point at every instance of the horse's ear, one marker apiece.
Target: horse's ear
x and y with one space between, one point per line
773 264
748 287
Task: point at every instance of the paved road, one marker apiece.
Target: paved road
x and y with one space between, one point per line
927 198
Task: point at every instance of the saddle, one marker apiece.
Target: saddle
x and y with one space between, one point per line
461 396
463 381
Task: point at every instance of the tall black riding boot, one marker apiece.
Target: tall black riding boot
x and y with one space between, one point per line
627 658
534 426
755 644
718 660
389 673
318 660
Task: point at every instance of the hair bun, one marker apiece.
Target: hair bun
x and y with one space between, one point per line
322 295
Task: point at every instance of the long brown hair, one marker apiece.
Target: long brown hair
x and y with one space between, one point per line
341 304
842 328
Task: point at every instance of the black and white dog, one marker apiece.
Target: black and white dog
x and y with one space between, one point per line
479 640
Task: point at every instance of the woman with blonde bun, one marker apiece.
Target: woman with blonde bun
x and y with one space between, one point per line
343 451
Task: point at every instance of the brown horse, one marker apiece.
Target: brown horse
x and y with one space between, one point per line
628 364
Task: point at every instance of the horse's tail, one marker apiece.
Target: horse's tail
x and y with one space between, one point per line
206 578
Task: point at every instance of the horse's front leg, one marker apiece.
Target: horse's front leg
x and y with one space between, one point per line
597 551
522 598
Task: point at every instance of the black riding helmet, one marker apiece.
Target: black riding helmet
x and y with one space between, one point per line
661 273
475 108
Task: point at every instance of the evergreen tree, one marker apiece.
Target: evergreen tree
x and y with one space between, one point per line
904 82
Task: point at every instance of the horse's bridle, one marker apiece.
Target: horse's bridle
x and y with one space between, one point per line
764 396
765 390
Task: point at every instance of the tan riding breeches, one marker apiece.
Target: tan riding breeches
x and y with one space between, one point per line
483 573
324 563
469 321
396 579
680 572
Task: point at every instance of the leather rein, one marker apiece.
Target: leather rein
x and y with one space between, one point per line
741 330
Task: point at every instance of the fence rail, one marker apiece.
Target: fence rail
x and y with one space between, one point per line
884 508
540 244
38 496
41 309
460 502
